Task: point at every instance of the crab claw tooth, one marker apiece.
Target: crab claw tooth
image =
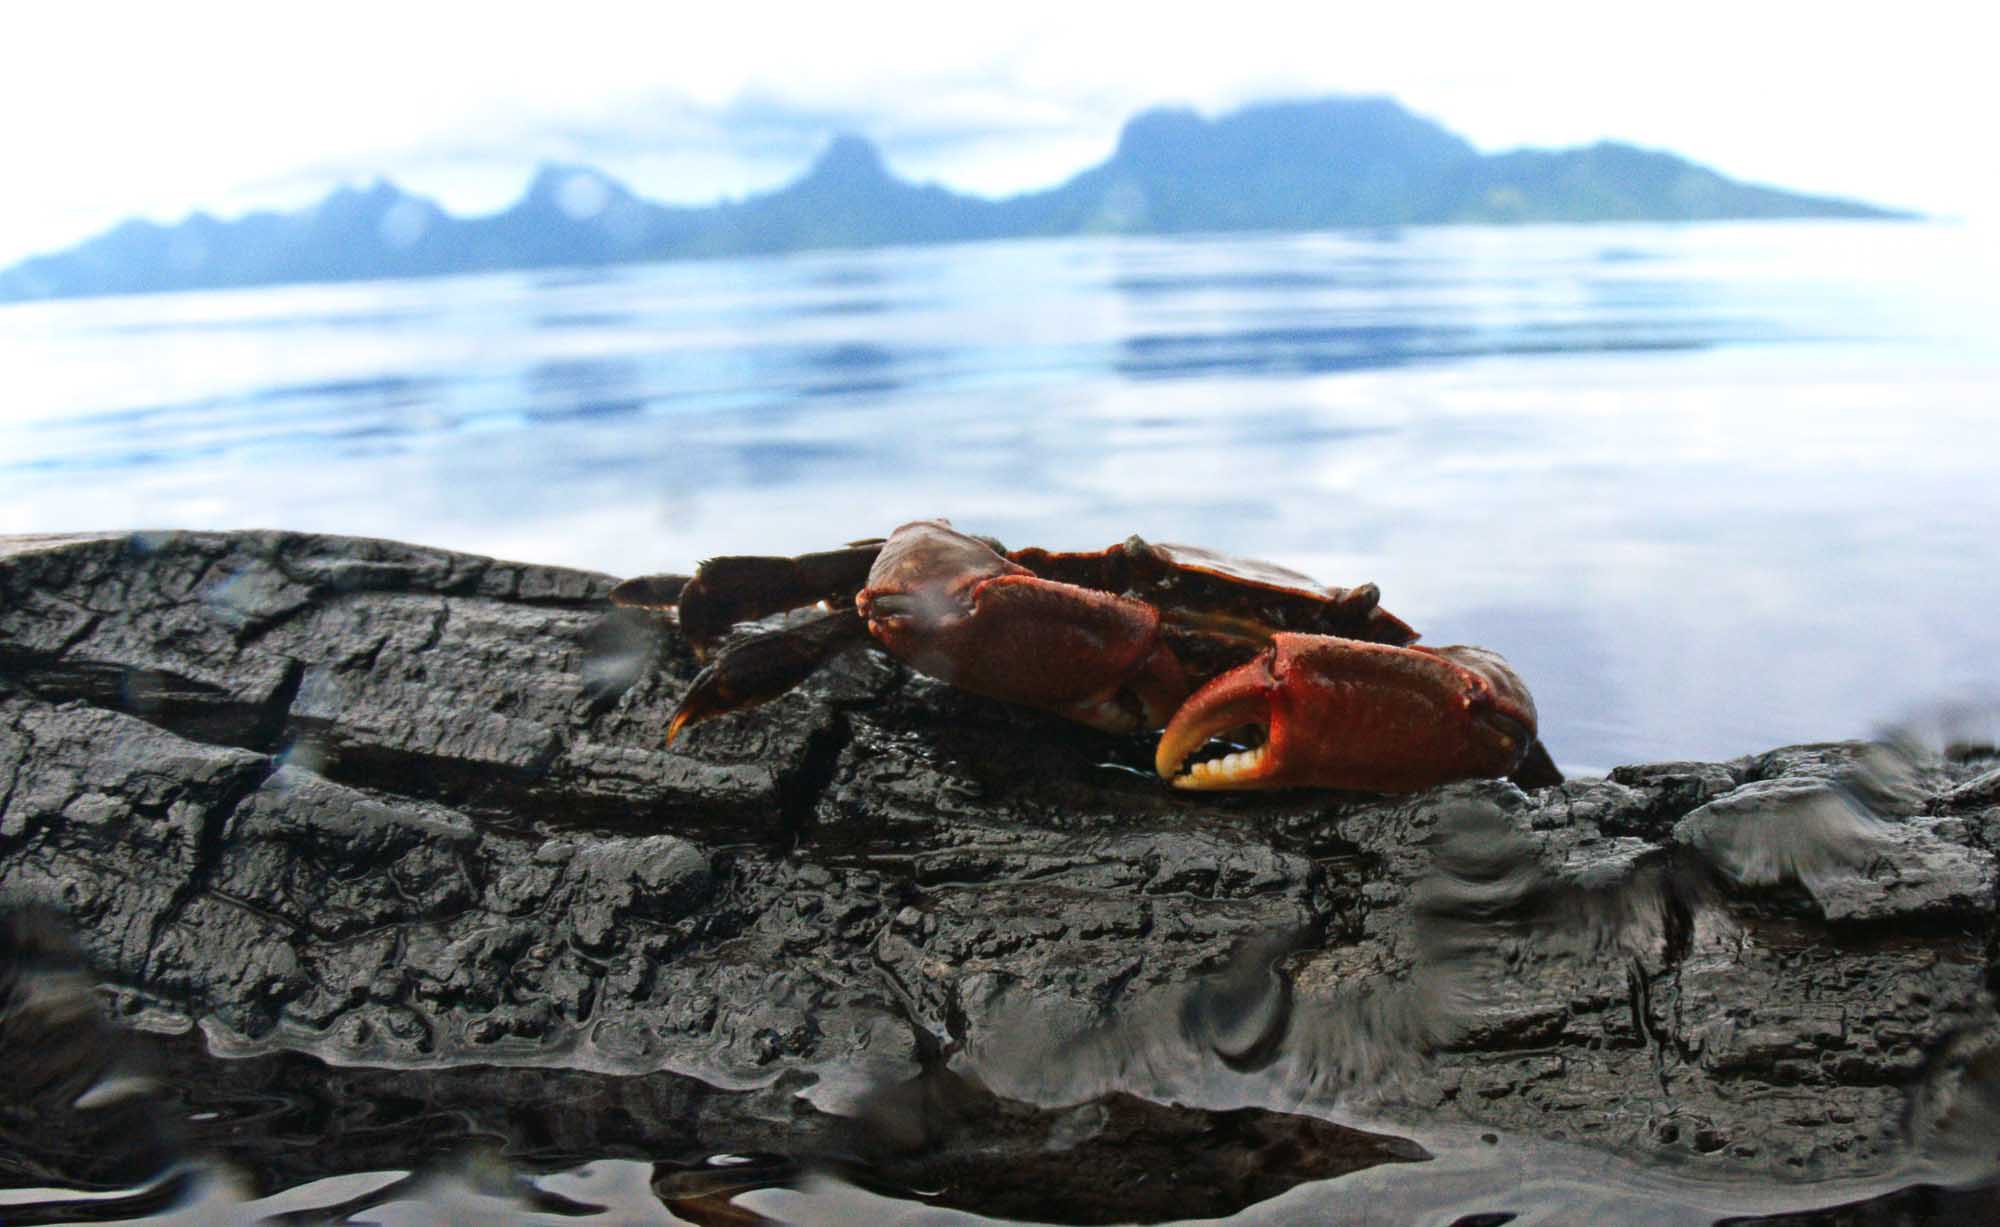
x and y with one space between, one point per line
1344 714
1236 698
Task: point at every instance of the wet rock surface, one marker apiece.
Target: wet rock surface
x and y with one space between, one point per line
398 807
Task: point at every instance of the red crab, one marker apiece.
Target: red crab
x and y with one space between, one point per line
1137 636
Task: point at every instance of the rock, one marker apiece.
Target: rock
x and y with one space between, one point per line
1982 791
401 807
1857 865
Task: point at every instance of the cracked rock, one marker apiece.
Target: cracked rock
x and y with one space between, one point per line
399 806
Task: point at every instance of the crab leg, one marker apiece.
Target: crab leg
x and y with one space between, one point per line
1339 713
745 587
762 667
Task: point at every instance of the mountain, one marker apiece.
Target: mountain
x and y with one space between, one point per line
848 199
1280 166
1275 166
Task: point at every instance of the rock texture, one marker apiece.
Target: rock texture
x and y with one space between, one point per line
400 807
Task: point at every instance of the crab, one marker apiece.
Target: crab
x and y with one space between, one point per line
1326 683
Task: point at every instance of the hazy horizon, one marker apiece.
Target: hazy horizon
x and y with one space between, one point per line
523 190
208 107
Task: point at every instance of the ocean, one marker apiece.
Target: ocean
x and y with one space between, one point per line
1711 488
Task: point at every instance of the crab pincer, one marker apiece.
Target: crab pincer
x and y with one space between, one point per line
950 606
1339 713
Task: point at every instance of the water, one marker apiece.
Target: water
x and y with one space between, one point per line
1710 488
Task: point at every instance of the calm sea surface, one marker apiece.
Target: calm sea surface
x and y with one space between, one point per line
1711 488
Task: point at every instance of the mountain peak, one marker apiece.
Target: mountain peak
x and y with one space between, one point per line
579 193
849 158
349 201
1159 130
1368 127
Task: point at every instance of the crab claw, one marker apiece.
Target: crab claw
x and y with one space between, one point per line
947 605
1339 713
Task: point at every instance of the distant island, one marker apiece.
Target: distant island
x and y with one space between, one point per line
1276 167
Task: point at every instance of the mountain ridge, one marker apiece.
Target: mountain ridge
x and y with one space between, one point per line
1275 166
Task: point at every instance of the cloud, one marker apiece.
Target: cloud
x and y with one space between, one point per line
211 103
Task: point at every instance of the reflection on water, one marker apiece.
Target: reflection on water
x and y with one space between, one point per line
1711 488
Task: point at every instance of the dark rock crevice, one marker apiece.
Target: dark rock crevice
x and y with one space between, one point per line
209 849
801 789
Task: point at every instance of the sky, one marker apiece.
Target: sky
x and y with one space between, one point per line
158 110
